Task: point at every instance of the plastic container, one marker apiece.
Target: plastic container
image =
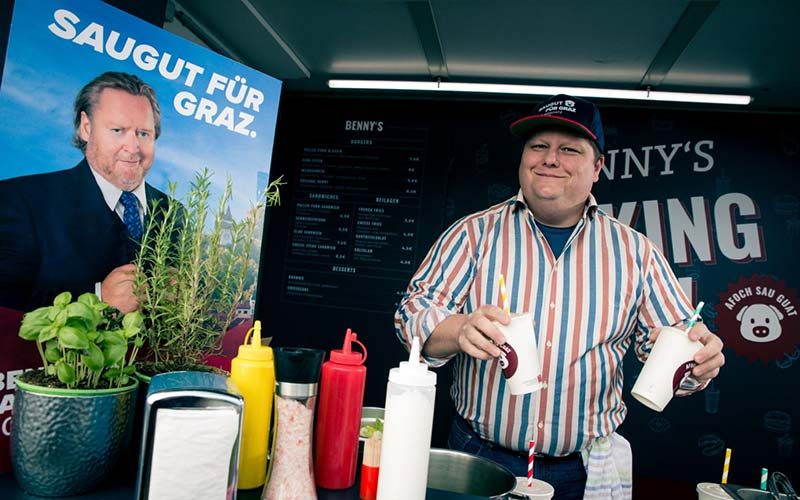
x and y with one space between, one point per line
297 372
538 490
253 370
341 398
711 491
370 469
407 428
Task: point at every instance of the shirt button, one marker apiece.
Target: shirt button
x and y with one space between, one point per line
541 425
548 344
544 385
552 305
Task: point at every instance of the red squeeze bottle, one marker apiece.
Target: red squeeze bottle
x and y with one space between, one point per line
340 401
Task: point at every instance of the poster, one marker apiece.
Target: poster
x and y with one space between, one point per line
215 114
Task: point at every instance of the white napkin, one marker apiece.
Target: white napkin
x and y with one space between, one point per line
192 452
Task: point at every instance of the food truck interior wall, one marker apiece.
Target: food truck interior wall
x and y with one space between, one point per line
470 162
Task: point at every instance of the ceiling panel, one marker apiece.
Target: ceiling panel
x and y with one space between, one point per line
240 33
742 46
568 41
351 37
748 46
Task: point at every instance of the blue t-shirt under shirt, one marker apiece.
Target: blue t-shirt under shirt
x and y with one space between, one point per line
556 237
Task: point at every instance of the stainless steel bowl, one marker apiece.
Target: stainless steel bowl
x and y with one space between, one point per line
783 491
460 472
369 414
754 494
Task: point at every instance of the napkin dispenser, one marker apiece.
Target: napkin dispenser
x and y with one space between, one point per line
190 438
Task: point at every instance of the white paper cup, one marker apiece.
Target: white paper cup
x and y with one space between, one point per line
539 490
519 356
669 363
711 491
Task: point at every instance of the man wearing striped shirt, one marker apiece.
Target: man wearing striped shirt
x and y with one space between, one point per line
594 286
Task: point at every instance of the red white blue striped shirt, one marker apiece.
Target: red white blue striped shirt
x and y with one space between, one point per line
608 289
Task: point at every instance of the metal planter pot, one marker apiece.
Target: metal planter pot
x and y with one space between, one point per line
66 442
460 472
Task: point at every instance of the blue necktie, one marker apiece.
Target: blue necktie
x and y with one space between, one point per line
131 216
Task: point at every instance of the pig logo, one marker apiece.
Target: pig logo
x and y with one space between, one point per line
760 322
758 317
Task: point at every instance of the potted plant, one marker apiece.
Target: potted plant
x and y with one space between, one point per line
194 268
73 419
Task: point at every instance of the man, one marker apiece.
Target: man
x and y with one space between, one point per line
594 287
77 230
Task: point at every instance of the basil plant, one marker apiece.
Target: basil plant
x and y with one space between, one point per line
85 344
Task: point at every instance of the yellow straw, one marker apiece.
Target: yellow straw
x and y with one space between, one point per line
503 295
726 466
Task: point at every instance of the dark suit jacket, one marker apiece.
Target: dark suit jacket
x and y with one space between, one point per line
57 234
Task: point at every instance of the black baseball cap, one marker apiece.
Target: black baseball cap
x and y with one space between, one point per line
574 113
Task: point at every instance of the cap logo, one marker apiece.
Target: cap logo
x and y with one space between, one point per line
558 107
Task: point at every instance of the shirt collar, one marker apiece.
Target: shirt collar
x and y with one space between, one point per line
111 193
589 209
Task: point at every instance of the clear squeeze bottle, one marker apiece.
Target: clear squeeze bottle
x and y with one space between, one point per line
407 428
253 371
339 416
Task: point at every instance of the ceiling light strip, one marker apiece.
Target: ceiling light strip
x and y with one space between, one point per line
642 95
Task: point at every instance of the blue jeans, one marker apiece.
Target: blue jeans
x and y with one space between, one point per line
566 474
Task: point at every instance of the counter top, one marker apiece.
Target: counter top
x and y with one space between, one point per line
9 490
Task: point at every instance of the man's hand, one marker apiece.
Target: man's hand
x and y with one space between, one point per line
473 334
117 289
709 359
478 336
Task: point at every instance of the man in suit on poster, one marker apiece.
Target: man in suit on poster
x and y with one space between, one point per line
78 229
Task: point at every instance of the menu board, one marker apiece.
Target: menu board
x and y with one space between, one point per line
355 216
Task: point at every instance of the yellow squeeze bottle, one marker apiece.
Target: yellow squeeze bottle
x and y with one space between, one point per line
253 371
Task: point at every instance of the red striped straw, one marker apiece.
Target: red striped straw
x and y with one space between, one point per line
530 465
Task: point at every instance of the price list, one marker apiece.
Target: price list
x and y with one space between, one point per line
355 216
